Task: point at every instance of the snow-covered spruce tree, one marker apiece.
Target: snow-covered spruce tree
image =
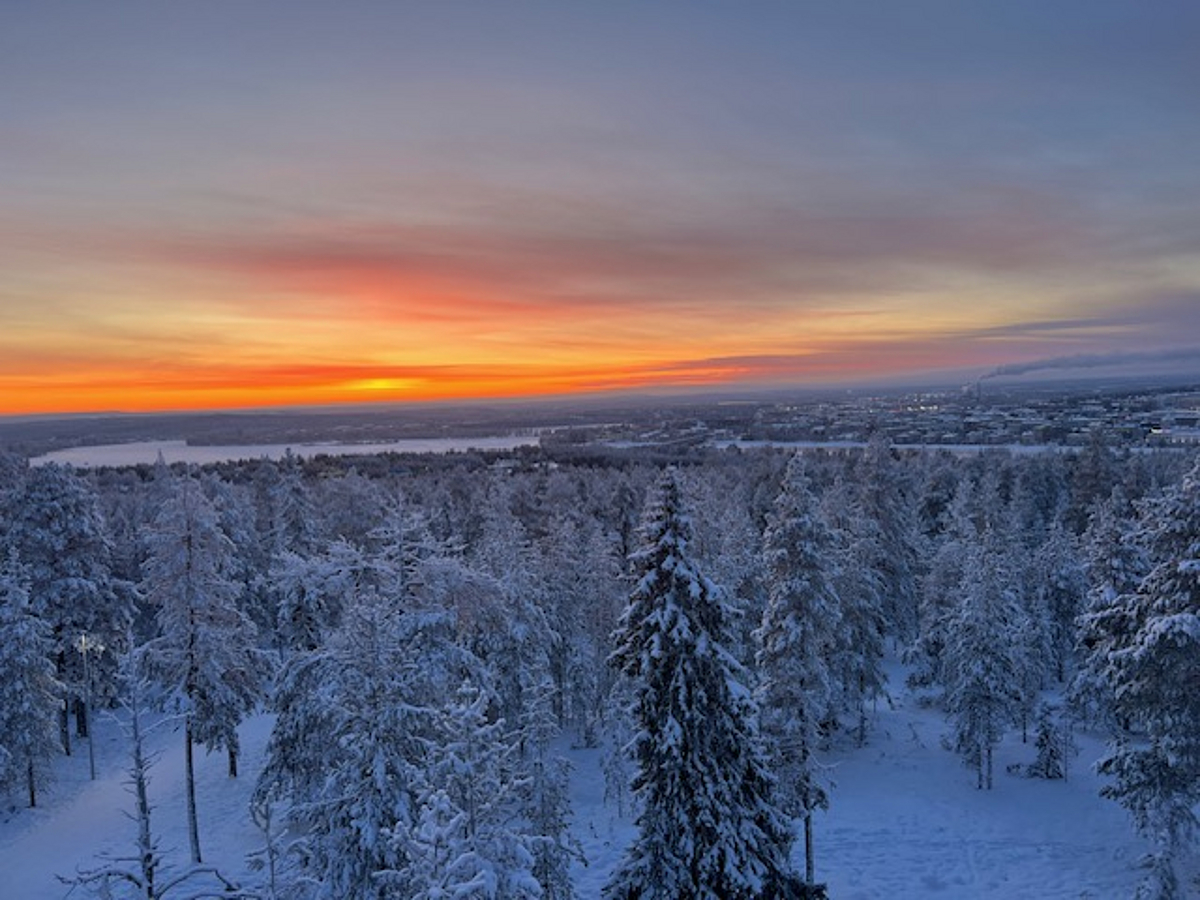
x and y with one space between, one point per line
348 758
1039 495
1155 674
1092 476
1054 746
983 681
310 590
728 547
1032 638
942 587
32 696
501 600
887 499
545 800
857 663
579 574
436 868
470 807
1028 629
205 655
293 519
13 469
286 529
402 548
346 751
799 633
55 526
1058 591
1115 563
236 515
350 506
391 561
708 828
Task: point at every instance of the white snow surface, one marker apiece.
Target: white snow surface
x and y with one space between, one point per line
905 820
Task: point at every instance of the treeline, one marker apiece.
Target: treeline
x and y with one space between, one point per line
425 630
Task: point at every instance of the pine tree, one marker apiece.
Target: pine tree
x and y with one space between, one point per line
510 630
348 758
1054 746
728 547
942 587
236 517
1155 673
1039 496
311 589
402 548
1116 563
886 499
579 577
708 828
984 695
56 528
293 519
285 525
346 751
1092 477
32 696
857 663
544 790
1058 591
799 634
205 655
437 868
471 771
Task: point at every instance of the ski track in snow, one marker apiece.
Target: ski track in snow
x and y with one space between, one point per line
905 819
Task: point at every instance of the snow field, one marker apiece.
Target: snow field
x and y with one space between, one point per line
83 820
905 820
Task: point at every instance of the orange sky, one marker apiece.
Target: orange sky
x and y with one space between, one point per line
264 205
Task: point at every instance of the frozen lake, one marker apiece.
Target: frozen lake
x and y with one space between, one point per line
180 451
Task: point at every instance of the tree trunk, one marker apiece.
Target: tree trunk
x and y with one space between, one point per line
32 784
193 828
809 867
146 853
64 726
989 767
81 718
233 757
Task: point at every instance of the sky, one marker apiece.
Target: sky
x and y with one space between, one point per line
241 204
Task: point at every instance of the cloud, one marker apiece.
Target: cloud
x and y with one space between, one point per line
550 257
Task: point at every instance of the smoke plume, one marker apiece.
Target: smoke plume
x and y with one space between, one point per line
1095 361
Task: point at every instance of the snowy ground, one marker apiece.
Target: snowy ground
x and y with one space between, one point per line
905 820
82 820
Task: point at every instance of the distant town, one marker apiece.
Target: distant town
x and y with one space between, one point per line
979 414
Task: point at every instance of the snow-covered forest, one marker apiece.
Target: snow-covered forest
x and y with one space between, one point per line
617 674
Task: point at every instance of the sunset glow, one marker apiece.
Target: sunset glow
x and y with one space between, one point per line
210 206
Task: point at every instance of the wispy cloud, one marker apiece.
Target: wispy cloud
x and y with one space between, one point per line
208 202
